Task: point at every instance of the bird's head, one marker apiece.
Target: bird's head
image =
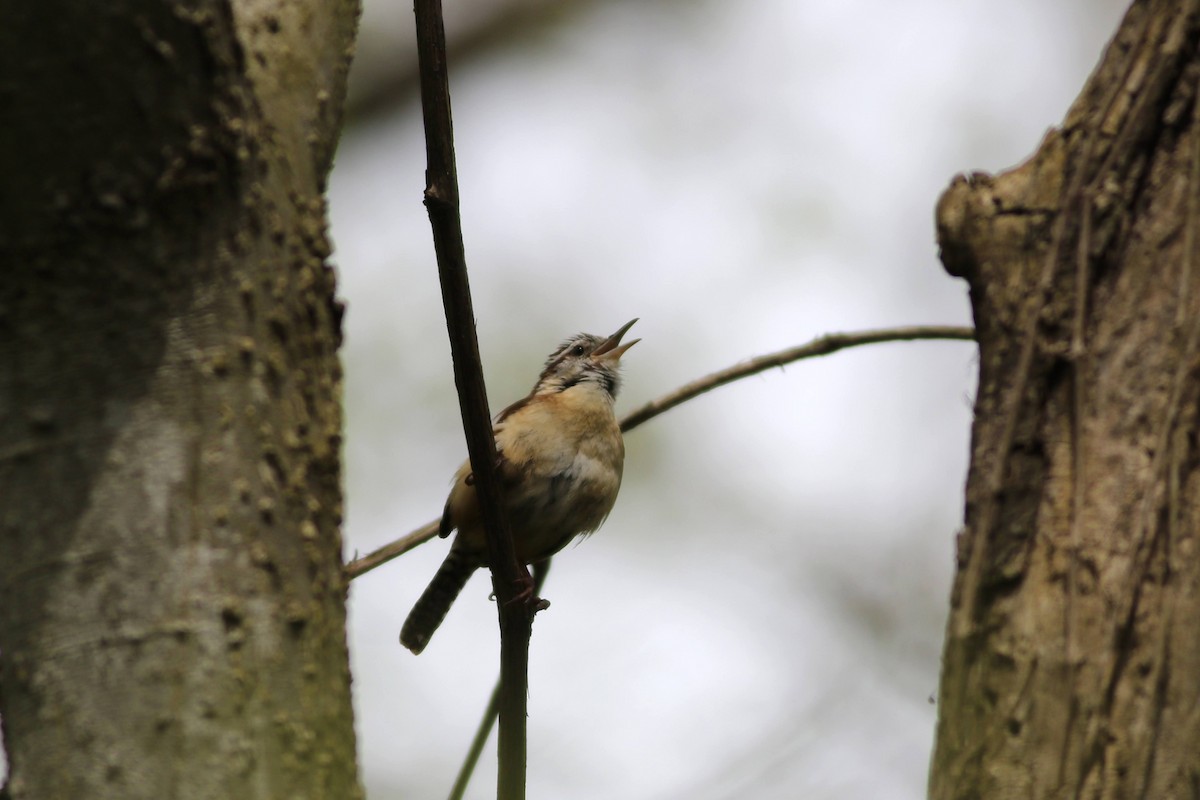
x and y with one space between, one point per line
585 358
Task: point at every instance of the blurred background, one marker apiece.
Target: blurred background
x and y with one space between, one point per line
762 614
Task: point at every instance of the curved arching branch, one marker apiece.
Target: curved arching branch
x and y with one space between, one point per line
821 346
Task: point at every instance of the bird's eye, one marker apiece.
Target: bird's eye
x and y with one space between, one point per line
578 350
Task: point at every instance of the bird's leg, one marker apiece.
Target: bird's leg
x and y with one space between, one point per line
527 587
526 591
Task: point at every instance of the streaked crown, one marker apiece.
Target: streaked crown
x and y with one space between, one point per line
586 358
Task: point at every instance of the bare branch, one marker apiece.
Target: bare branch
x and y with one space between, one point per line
391 550
822 346
484 730
442 203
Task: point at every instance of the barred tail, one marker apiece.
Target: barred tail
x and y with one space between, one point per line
436 600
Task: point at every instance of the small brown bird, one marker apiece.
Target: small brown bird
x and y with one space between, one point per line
560 457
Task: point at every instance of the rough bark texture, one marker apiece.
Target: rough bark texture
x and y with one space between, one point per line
172 619
1073 650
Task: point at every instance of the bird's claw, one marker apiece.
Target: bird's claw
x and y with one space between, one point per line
526 597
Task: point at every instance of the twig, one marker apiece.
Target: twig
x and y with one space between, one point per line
391 550
484 730
441 201
1080 370
822 346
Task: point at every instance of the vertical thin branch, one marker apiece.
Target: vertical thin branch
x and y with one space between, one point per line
441 201
467 770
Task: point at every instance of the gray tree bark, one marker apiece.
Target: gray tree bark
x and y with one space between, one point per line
1072 650
172 616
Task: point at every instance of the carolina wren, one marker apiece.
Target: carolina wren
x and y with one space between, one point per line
559 459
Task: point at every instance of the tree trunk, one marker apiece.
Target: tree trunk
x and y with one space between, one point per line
1072 650
172 617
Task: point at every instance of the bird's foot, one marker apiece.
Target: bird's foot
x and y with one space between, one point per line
525 595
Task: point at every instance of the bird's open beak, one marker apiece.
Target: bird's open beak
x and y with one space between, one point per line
609 349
